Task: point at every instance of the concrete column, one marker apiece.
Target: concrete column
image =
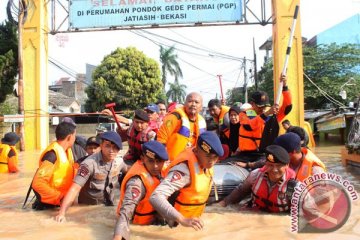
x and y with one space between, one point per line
35 60
283 12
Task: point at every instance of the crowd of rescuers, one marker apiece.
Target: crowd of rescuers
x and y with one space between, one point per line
242 130
169 171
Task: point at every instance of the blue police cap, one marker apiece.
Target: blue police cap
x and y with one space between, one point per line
210 143
152 108
112 137
10 138
290 141
155 150
277 154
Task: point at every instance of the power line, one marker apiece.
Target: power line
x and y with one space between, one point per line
325 94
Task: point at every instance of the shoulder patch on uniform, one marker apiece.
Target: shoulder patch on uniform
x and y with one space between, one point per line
83 171
176 176
135 192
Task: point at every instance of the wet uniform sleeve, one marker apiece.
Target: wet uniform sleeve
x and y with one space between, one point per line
242 190
169 126
13 162
286 104
177 178
134 193
85 171
42 179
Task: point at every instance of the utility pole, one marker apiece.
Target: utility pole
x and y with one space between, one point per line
221 90
255 68
245 82
17 14
21 78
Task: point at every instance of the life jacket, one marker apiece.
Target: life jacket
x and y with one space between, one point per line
192 199
4 152
64 171
276 200
181 140
220 119
135 139
250 138
144 212
309 160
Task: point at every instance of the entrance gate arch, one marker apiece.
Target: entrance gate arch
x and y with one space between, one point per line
35 55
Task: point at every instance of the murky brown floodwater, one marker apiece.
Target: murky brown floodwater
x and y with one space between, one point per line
97 222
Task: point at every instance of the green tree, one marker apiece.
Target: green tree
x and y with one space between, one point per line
329 67
8 59
176 92
169 64
127 77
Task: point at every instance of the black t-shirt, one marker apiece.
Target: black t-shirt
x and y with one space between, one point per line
49 156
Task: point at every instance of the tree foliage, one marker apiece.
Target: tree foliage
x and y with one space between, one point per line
126 77
329 67
176 92
8 59
169 64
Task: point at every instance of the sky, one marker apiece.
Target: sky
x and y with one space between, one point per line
200 67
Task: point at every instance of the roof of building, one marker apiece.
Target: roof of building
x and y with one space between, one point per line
59 99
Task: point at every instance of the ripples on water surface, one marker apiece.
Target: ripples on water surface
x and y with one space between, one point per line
97 222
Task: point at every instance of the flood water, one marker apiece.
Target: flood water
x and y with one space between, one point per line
97 222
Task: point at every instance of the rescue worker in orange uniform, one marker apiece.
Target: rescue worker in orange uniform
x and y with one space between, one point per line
140 181
182 127
271 186
253 122
304 162
9 158
97 176
220 114
191 175
56 169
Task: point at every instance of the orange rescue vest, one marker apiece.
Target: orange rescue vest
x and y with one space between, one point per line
220 120
182 139
250 138
308 162
192 199
64 171
4 151
144 212
274 201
